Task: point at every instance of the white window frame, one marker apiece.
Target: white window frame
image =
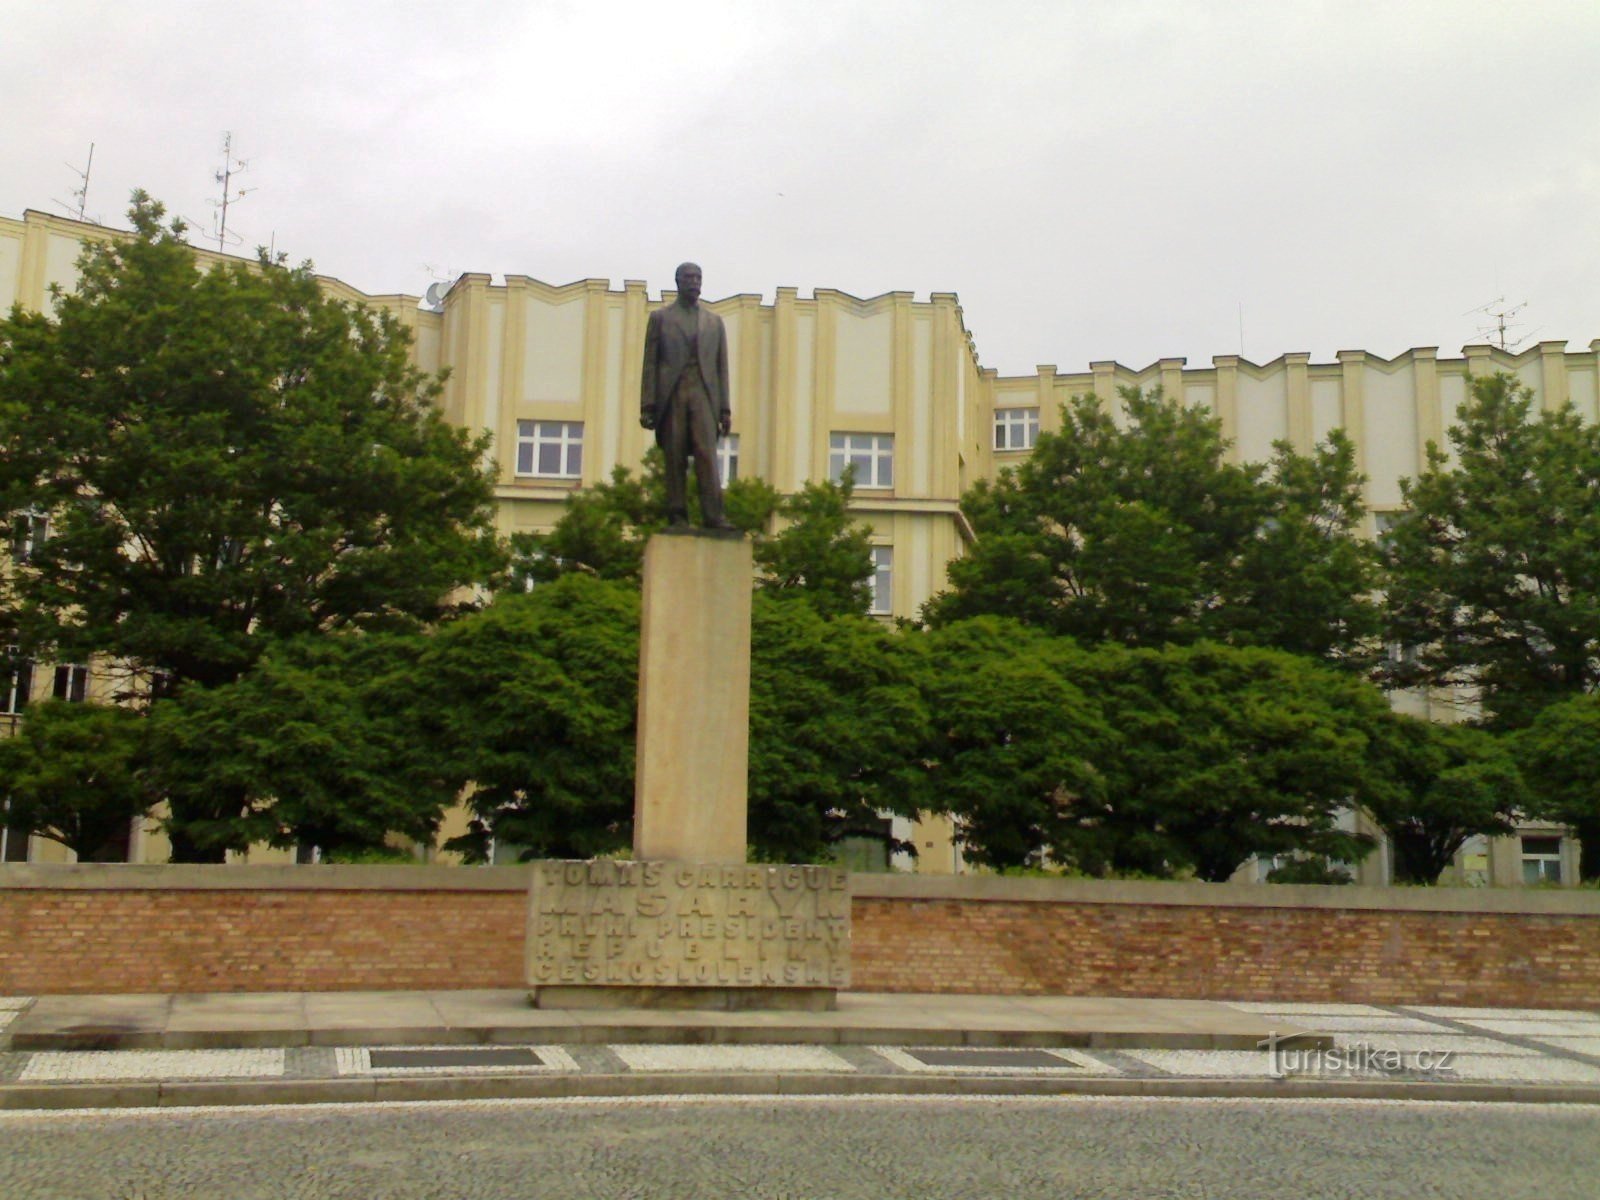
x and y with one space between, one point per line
873 454
567 438
1016 428
1541 861
882 604
29 529
728 459
72 687
17 687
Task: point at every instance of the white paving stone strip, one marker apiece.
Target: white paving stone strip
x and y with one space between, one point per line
1071 1064
1384 1023
1509 1014
731 1058
1579 1045
357 1060
1534 1029
7 1015
1515 1069
14 1003
1406 1043
1276 1009
76 1065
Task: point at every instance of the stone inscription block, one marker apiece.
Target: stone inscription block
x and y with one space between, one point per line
674 924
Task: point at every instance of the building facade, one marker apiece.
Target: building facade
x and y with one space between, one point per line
893 385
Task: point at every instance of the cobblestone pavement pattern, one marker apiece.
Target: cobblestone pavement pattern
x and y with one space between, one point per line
769 1149
1526 1046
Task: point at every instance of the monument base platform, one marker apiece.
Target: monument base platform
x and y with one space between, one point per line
703 999
713 936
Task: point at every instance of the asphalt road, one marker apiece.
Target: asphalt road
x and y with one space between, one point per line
936 1149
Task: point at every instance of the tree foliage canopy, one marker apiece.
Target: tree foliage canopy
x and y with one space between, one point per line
328 741
74 773
1222 754
1433 786
1558 752
1492 570
1141 532
537 698
817 550
228 457
837 727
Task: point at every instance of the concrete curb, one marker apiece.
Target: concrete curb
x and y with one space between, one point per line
675 1034
255 1092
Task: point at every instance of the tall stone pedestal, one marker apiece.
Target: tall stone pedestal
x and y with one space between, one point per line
690 924
691 785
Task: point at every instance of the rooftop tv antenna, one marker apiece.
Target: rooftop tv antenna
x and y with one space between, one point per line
81 193
1500 325
230 167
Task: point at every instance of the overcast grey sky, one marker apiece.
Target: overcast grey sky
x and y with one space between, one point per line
1095 180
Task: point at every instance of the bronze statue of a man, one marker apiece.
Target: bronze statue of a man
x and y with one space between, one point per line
684 396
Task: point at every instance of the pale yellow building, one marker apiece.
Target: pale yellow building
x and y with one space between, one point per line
892 383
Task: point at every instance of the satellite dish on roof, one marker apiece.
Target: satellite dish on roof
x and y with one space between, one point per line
433 298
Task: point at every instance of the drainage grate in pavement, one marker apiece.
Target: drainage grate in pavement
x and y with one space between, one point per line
450 1060
466 1056
988 1057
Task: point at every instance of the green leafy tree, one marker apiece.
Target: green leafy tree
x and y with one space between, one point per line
818 551
1558 753
603 529
329 740
1013 743
1433 786
537 697
1492 572
230 458
1142 533
1222 754
837 725
74 774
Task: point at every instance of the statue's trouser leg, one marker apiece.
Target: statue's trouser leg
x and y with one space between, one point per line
673 436
693 432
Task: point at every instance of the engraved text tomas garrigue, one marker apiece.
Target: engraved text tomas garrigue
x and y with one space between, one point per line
665 924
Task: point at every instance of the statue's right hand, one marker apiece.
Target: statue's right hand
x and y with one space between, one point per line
648 420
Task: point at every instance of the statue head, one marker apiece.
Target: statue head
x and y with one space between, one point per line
688 279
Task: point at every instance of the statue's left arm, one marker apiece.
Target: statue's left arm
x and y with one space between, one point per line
725 410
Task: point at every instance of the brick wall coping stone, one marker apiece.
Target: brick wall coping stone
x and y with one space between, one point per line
284 877
871 885
1016 890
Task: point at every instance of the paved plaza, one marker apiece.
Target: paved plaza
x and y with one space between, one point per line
376 1047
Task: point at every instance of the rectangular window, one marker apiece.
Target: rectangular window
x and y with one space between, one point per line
13 842
28 531
871 454
882 580
16 682
728 459
72 683
1541 860
553 449
1015 428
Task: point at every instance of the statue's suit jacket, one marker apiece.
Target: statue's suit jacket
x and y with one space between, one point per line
666 353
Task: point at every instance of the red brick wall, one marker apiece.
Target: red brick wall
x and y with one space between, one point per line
388 935
1371 956
246 940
